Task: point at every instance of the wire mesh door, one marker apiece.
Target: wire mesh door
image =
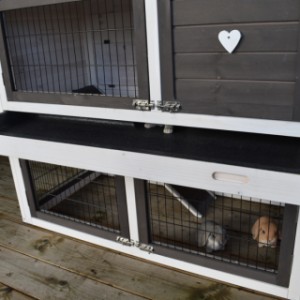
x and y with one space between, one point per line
244 236
89 201
86 48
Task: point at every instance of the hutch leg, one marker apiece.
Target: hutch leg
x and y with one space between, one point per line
20 188
294 288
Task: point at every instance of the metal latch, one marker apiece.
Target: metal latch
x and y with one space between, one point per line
125 241
169 106
128 242
143 104
145 247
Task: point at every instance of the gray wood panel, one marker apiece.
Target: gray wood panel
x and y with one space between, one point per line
241 110
258 80
73 99
189 12
255 38
13 4
232 98
272 93
269 67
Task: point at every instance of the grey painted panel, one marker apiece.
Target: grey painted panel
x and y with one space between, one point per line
258 80
255 38
73 99
218 91
13 4
270 67
189 12
232 98
258 111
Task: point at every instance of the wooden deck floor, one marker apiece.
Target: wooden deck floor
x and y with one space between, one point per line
39 264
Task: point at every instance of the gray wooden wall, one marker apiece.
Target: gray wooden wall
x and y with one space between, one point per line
258 80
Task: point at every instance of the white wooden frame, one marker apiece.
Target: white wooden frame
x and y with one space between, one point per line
284 128
276 186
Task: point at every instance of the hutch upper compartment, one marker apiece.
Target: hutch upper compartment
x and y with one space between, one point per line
259 79
53 51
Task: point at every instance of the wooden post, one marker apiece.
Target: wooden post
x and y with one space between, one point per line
294 288
20 188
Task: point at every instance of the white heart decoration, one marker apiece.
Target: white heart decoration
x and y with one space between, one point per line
230 40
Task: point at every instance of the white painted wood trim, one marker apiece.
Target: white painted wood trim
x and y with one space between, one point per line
20 188
267 185
152 34
294 288
3 96
166 261
131 208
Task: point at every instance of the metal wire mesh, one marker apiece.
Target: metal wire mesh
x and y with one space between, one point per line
180 218
77 195
75 47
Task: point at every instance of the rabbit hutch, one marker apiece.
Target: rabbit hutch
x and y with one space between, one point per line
88 86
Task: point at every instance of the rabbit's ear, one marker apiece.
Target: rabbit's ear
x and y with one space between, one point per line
207 235
255 230
202 239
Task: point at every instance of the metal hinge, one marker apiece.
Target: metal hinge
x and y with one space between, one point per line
169 106
143 104
125 241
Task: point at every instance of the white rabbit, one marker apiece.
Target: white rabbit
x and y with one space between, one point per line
212 236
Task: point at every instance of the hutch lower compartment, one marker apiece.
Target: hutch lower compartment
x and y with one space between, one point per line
217 230
203 227
84 200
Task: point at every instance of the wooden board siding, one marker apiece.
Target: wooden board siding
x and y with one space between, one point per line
236 98
258 80
195 12
253 67
282 37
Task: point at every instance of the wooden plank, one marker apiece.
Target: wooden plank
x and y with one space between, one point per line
13 4
268 112
255 38
7 188
218 91
268 67
45 281
7 293
9 209
234 11
243 99
124 273
96 263
71 99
